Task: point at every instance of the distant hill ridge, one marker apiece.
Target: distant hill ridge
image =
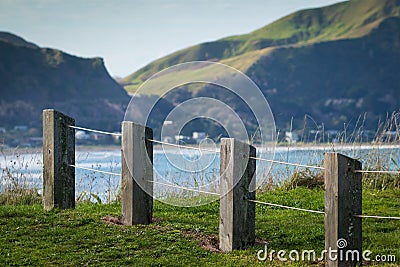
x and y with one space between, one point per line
34 78
332 63
15 40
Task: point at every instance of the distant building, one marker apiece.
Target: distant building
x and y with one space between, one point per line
81 135
182 139
21 128
35 141
168 132
291 137
332 136
199 136
391 136
168 139
332 132
368 136
117 137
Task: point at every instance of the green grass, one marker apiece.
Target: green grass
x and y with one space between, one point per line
31 236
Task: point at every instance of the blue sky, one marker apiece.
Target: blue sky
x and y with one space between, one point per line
130 34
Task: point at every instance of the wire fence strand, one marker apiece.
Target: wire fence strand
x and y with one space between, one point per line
182 146
377 217
288 163
286 207
94 170
256 158
94 131
185 188
214 151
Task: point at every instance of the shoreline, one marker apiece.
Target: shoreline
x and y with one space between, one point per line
159 148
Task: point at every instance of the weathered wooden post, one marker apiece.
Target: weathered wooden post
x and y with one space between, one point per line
137 174
237 214
58 154
343 200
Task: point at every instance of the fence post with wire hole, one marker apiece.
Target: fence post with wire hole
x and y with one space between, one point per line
137 174
237 186
343 200
58 155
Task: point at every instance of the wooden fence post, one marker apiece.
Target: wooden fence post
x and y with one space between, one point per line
137 174
343 200
58 154
237 214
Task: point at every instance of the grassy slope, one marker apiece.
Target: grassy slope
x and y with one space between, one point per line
30 236
345 20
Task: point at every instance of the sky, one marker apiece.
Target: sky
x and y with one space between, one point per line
131 34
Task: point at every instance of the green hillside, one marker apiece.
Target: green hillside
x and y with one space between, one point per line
349 19
343 58
34 78
345 20
334 81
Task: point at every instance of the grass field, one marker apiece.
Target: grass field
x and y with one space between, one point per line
182 236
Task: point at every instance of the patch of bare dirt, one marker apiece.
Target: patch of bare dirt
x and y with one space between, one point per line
209 242
113 220
119 222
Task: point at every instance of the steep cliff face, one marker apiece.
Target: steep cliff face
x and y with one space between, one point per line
34 78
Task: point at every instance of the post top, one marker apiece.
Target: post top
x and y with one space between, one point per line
132 124
234 141
56 113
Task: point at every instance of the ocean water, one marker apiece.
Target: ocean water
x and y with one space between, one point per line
176 168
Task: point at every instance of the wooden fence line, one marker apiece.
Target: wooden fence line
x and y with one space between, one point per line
237 186
343 192
137 174
343 200
58 154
